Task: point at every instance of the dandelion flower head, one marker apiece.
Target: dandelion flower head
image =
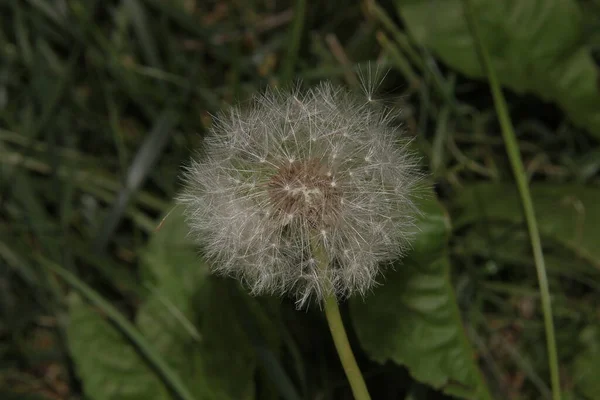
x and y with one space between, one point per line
298 175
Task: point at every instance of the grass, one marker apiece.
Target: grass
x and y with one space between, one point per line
101 103
516 163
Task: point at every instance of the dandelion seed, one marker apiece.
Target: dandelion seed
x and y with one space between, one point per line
295 170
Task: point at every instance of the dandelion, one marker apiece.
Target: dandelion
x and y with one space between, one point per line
307 194
303 193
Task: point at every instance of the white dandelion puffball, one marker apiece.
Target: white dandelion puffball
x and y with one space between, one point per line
295 176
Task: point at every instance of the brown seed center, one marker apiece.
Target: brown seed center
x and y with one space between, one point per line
305 189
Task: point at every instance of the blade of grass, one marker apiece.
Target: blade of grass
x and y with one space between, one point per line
36 218
512 148
189 22
34 129
86 179
139 169
46 8
399 37
399 60
276 373
341 56
15 262
172 309
117 132
295 35
127 328
271 364
22 35
235 74
45 232
400 45
296 356
140 25
174 11
438 148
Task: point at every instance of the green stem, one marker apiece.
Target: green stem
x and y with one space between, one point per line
340 339
336 327
514 156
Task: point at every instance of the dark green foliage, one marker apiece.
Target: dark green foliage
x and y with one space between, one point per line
101 102
538 47
413 318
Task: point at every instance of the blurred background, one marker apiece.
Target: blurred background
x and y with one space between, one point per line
102 102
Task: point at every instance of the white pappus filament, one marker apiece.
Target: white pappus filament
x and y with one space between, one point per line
295 170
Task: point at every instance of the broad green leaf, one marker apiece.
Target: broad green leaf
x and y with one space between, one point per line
211 331
191 320
202 339
171 251
566 213
413 318
536 47
109 366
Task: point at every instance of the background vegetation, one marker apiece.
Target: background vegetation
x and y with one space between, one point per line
102 101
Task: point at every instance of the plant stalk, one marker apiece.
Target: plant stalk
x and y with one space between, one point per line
338 333
336 327
512 148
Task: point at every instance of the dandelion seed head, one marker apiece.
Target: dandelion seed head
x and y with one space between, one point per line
298 169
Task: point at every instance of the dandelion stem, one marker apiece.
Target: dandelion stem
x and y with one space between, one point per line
338 332
336 327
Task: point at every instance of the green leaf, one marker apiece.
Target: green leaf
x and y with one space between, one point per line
208 329
567 213
170 251
413 318
190 319
586 367
215 358
536 47
109 366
